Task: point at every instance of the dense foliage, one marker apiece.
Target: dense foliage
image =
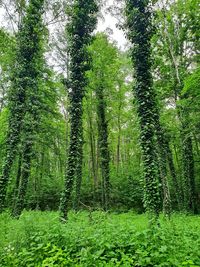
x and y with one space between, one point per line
90 127
24 102
98 239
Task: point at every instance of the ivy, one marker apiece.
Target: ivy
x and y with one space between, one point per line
24 100
82 22
140 31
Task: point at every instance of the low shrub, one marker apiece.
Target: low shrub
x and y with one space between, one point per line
38 239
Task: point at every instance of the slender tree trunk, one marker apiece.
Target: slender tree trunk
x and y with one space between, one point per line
103 147
176 186
12 141
76 125
176 156
79 169
39 181
187 151
17 183
93 153
25 173
2 102
162 156
118 144
196 144
189 188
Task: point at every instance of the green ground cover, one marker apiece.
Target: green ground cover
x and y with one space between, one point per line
98 239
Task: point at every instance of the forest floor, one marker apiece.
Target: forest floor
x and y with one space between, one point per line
38 239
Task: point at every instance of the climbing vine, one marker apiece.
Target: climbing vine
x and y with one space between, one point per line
82 22
33 24
24 100
140 31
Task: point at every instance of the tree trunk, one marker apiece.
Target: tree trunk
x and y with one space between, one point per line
79 170
103 147
178 193
74 153
162 156
140 32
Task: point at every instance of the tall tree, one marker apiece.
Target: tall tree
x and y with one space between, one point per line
140 30
176 54
82 23
23 98
34 36
102 78
6 62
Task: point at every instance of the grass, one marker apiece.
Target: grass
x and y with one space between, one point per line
99 239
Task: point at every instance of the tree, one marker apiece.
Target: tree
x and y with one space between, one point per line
81 25
33 31
6 61
102 77
176 50
23 102
140 30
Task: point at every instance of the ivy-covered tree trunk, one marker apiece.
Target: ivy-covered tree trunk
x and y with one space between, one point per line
93 151
25 74
17 182
16 107
11 150
73 156
101 77
174 36
82 22
25 172
162 160
188 196
103 147
140 31
33 34
79 168
175 182
189 188
28 139
118 137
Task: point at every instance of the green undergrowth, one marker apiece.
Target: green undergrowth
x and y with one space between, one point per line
98 239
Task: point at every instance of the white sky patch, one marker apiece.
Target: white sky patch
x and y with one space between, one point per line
109 22
117 35
106 23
